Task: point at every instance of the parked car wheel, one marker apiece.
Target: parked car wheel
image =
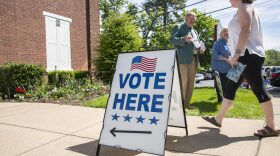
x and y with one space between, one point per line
208 76
198 77
275 77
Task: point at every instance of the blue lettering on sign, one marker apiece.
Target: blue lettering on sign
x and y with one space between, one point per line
147 79
160 77
140 102
144 101
157 102
156 80
123 82
138 81
119 100
130 101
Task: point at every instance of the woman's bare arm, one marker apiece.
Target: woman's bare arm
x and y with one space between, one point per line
244 16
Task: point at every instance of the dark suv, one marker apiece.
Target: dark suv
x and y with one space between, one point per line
275 77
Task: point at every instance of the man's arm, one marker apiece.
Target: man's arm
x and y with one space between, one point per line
176 39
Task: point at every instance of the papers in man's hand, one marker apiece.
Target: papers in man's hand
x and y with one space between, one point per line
202 47
196 43
235 72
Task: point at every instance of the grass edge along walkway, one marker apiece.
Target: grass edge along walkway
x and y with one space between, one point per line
205 100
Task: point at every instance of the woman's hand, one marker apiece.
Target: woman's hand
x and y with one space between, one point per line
227 60
234 60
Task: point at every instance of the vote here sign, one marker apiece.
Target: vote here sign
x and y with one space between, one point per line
136 116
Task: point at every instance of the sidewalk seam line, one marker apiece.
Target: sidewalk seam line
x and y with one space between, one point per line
70 134
196 153
51 141
258 147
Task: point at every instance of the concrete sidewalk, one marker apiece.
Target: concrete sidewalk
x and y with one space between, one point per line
33 129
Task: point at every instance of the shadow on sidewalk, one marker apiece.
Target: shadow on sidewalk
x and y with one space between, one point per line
204 140
90 150
186 144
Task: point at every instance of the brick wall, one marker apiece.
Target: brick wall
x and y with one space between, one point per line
22 30
95 27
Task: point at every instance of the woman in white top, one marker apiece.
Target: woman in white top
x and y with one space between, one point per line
246 45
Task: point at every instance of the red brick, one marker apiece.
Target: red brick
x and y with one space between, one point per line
22 30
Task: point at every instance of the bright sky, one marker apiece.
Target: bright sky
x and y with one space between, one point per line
268 9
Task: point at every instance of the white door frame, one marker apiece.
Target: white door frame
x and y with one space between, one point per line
58 48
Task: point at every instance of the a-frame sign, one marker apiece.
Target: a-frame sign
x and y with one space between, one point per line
145 98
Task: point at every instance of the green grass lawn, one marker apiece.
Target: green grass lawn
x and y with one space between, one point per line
245 104
205 101
99 102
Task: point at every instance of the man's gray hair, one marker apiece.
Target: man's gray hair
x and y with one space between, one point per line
190 13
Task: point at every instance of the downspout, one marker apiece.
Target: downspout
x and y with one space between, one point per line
88 38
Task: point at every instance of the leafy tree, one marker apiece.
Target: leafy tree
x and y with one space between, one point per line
156 19
272 58
169 9
119 35
160 39
156 16
108 6
205 26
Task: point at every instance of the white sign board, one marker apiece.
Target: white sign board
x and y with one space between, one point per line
176 115
136 116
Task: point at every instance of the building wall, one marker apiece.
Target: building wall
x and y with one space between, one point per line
22 30
95 27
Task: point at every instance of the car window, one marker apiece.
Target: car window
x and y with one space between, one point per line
275 70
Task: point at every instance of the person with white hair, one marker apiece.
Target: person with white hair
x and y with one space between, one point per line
220 62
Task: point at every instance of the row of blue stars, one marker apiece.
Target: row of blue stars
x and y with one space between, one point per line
140 119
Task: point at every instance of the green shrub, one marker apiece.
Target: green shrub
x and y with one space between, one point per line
72 89
120 34
40 92
22 75
59 78
81 74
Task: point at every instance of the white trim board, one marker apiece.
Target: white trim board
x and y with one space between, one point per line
57 16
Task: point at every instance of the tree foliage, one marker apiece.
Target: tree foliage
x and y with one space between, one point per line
272 58
205 26
109 6
155 20
119 35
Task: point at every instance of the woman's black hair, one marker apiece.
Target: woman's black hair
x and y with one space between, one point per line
247 1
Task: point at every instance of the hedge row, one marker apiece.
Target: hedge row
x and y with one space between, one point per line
19 77
60 78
